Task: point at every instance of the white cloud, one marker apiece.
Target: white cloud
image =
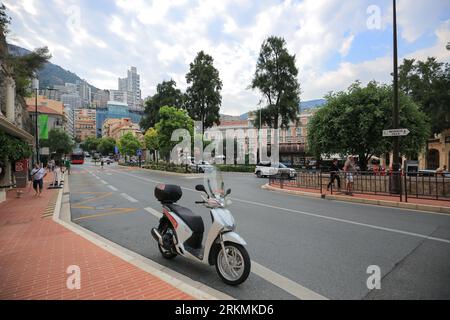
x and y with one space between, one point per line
161 38
346 46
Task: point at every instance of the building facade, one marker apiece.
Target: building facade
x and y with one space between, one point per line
116 128
115 110
14 121
85 123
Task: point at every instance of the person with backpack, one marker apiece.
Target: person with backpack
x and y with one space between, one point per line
334 175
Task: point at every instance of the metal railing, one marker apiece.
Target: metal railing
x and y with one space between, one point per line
393 184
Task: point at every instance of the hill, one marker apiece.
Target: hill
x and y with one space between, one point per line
51 74
305 105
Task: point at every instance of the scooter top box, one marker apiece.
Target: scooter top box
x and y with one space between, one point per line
168 193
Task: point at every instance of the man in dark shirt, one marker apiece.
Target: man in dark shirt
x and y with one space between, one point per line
334 175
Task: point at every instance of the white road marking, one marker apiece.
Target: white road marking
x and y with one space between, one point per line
131 199
276 279
284 283
104 182
316 215
347 221
154 212
112 188
109 174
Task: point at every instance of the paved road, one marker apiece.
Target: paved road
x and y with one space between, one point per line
319 245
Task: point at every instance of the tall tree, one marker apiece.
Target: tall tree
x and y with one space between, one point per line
23 67
276 78
203 98
428 84
352 123
106 146
171 119
90 144
58 142
151 141
129 144
167 94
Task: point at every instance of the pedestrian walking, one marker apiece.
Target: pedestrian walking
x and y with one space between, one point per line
349 169
67 165
334 175
37 174
102 163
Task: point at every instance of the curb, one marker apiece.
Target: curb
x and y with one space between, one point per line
169 173
196 289
382 203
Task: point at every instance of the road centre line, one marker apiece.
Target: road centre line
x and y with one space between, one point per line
104 182
129 198
113 188
418 235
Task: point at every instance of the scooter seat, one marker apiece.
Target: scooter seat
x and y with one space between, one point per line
195 222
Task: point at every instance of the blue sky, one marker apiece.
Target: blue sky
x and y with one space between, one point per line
332 40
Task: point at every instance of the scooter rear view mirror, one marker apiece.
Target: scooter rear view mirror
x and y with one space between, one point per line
228 191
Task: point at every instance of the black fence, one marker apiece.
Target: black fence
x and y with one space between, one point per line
393 184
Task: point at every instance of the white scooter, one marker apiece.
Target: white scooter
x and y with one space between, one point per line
180 231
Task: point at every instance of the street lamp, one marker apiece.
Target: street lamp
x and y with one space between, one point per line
36 89
395 188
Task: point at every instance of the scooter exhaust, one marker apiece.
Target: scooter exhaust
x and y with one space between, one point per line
157 236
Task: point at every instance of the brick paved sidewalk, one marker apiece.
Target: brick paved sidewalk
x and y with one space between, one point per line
35 253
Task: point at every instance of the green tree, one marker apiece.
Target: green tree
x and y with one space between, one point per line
58 142
276 78
12 148
171 119
151 141
90 144
167 94
428 84
106 146
129 144
352 123
25 67
203 98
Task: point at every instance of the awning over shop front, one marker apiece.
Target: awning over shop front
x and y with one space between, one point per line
14 131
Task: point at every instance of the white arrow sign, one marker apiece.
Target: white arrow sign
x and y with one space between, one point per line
395 133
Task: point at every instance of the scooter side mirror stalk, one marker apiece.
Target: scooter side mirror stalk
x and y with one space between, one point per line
201 188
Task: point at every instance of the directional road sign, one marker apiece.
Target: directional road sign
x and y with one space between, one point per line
395 133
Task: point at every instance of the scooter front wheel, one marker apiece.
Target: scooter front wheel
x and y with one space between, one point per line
235 268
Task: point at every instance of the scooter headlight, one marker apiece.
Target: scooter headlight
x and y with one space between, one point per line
228 222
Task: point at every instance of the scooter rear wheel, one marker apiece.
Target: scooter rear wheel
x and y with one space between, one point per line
239 264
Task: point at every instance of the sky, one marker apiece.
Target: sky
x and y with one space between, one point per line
335 42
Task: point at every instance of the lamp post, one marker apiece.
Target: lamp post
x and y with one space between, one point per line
36 89
395 188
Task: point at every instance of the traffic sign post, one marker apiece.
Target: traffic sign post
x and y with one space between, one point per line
396 133
139 154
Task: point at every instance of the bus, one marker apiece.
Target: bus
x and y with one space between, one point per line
77 157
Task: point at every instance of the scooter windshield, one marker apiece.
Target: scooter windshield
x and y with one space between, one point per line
214 183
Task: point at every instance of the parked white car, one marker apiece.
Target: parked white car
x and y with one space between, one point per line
267 169
200 167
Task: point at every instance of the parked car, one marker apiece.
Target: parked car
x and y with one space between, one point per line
267 169
200 167
86 154
106 160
